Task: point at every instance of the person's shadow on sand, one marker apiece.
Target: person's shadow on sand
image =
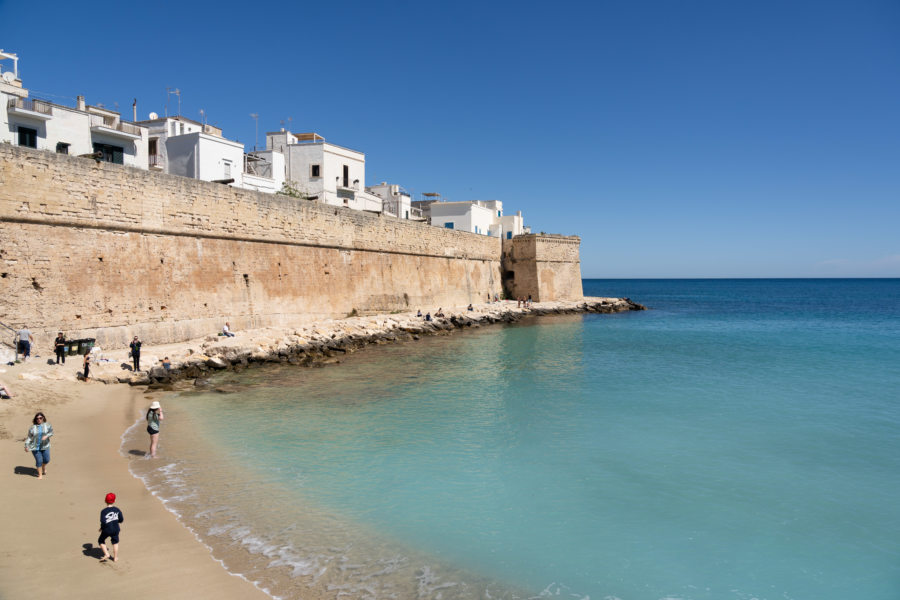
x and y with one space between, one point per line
30 471
90 551
137 452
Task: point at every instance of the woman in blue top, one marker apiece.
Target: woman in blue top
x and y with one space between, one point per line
154 416
38 443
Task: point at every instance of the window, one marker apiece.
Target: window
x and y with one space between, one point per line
151 147
108 153
314 171
509 235
181 129
448 225
477 229
499 213
28 137
346 176
227 169
62 148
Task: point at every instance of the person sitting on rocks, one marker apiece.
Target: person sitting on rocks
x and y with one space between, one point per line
166 364
470 309
419 314
226 330
428 316
439 313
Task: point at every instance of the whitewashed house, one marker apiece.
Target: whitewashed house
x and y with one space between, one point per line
181 146
477 216
82 130
396 202
264 171
324 172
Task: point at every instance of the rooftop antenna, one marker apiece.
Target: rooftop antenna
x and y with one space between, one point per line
169 92
203 117
255 117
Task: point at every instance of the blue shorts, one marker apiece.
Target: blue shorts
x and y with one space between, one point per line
41 457
25 347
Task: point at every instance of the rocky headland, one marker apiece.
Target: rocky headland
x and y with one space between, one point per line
313 345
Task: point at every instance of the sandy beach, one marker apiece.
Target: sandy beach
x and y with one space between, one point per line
50 526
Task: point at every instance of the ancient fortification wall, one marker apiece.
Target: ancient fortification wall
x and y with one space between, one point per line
548 267
105 251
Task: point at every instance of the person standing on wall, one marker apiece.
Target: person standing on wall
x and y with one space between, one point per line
136 353
60 346
24 345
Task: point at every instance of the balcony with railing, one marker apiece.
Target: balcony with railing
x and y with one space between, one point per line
254 165
30 107
395 208
114 127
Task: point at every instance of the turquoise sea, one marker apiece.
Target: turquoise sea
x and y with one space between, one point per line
740 440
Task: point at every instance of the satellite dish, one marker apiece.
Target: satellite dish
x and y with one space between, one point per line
153 116
9 76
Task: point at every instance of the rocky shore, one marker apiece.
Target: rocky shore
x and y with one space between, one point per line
317 344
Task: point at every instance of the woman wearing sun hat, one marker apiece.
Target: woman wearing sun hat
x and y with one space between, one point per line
154 416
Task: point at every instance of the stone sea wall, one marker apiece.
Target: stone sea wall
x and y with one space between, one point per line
106 251
545 266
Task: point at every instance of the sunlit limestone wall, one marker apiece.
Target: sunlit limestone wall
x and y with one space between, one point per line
106 251
547 267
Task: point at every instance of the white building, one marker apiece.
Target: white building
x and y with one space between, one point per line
322 171
82 130
477 216
264 171
395 201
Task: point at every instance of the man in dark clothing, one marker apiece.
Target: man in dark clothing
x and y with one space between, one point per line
110 517
60 346
136 353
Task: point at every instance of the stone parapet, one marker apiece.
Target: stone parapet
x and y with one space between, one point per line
546 267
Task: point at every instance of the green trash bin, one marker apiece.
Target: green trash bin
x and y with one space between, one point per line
72 347
87 344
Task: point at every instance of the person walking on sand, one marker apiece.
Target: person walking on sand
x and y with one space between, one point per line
59 345
136 353
24 345
154 416
110 517
87 366
38 443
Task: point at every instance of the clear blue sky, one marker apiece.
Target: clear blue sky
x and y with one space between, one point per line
677 138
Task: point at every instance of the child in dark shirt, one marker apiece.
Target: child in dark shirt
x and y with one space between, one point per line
110 517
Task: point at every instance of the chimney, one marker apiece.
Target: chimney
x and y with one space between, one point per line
134 111
79 102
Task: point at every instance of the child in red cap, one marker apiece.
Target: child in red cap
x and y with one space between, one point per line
110 517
